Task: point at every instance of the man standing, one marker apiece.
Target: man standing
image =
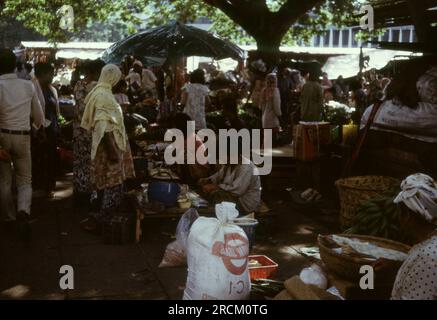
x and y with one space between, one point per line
311 99
142 80
45 159
18 103
285 85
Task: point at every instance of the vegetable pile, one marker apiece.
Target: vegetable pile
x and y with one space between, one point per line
266 287
379 217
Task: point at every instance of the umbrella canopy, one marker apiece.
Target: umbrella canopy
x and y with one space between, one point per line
171 41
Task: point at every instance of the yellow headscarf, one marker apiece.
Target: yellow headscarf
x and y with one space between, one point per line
102 112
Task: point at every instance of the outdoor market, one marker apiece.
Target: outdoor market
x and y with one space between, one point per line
176 163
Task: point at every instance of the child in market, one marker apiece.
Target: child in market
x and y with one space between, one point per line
120 94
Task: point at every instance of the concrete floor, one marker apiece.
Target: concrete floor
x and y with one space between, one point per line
131 271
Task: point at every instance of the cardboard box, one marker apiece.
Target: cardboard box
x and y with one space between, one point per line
309 138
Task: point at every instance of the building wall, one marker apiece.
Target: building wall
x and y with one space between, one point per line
346 38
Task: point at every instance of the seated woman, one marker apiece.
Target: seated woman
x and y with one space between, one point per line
189 173
230 114
417 277
410 105
120 94
235 183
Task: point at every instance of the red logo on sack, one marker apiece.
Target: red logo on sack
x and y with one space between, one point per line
239 250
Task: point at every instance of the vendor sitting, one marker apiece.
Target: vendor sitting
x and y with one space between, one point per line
190 173
235 183
417 278
120 94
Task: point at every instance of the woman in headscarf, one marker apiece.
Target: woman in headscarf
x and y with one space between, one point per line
417 277
111 157
271 105
82 138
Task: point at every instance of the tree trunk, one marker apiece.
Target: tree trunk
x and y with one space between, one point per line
268 48
267 27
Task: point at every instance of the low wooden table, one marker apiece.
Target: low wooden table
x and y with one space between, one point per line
170 213
283 173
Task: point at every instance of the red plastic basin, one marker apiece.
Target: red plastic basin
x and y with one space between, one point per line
265 271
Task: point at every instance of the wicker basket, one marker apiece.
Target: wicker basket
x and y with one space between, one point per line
356 190
348 267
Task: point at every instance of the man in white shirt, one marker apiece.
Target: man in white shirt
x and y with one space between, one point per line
235 183
142 79
18 103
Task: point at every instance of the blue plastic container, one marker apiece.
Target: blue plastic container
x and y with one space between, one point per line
164 191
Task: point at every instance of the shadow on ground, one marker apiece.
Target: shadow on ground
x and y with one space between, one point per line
130 271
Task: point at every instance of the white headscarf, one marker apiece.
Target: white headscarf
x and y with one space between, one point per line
138 63
419 194
102 112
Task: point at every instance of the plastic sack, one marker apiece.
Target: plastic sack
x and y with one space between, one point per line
218 258
404 120
315 276
175 254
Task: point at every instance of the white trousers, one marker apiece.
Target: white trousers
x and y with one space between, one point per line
21 165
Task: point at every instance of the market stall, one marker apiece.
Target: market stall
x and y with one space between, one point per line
41 50
158 192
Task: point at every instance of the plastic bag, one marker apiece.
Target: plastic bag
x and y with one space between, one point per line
175 254
315 276
217 252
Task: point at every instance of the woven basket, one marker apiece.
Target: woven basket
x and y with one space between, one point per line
348 267
356 190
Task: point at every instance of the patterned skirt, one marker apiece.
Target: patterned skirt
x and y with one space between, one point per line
82 160
107 174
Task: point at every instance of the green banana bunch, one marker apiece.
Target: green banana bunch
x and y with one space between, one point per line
378 217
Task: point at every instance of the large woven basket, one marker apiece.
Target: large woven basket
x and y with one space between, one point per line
356 190
348 267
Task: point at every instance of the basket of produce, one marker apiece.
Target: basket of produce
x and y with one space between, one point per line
356 190
380 217
345 254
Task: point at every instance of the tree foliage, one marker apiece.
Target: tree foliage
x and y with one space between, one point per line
242 21
43 17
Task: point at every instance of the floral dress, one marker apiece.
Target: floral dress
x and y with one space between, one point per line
195 106
81 142
108 177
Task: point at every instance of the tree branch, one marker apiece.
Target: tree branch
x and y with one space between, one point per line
291 11
294 9
239 11
254 16
226 6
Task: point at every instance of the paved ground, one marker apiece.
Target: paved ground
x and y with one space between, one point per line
130 271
